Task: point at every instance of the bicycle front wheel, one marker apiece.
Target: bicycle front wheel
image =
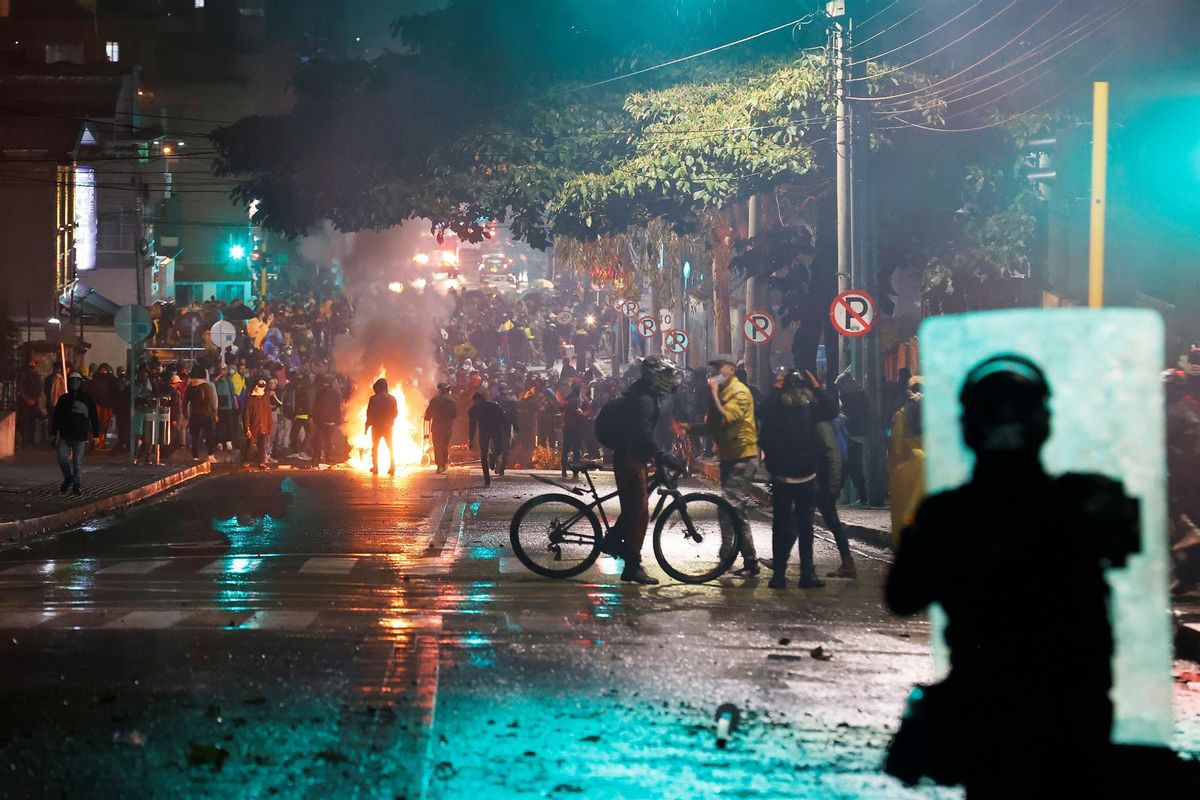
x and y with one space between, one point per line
696 538
555 535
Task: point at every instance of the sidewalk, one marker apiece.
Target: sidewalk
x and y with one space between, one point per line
30 502
873 526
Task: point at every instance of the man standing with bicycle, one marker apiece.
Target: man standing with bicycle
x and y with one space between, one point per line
632 440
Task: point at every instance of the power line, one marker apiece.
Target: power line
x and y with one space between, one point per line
962 72
800 22
1101 18
1020 114
1106 19
899 22
919 38
877 13
986 22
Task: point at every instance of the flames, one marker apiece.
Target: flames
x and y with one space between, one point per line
407 432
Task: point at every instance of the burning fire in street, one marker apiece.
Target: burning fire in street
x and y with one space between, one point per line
407 431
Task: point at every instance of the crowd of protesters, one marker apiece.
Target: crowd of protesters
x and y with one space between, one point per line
271 394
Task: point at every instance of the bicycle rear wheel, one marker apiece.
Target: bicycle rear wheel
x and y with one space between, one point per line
687 538
555 535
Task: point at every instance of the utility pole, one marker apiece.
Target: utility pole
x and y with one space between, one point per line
1099 194
856 236
139 234
842 154
758 357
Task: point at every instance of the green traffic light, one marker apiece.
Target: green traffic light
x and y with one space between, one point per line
237 252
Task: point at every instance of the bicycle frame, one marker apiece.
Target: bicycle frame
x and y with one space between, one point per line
664 488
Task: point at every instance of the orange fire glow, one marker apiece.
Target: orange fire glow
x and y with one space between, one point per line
407 435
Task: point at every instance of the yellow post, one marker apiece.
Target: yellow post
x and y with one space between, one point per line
263 294
1099 182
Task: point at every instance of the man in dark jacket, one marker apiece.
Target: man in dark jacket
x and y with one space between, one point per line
575 410
258 420
200 411
1002 723
327 414
795 454
382 411
511 428
489 418
73 419
630 456
440 414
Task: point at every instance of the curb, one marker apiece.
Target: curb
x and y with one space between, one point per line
1187 636
16 531
865 535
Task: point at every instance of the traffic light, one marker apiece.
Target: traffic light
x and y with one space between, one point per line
237 252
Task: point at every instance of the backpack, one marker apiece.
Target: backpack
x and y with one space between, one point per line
612 423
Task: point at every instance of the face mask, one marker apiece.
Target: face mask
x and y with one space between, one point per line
722 379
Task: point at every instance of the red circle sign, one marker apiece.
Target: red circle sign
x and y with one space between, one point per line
647 326
758 327
852 313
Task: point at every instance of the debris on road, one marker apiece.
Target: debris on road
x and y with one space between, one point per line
728 716
819 654
205 754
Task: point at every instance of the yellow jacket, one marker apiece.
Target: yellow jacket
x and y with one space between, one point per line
736 434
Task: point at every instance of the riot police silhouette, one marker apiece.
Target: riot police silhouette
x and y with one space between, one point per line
1016 559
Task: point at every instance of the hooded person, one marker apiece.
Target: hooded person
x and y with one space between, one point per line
382 411
200 410
635 446
73 419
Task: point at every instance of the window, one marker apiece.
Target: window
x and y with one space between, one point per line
199 3
113 51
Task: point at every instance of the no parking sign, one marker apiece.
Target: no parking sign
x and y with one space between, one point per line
758 327
853 313
647 326
676 341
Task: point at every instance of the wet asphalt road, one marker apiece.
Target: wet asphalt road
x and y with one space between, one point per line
304 634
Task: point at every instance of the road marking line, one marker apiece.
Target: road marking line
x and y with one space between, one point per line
44 568
239 565
329 566
512 566
148 620
133 567
24 619
280 620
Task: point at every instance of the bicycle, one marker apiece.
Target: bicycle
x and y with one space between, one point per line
559 535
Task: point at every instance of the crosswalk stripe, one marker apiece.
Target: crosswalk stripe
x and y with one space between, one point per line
148 620
329 566
24 619
43 568
280 620
234 566
133 567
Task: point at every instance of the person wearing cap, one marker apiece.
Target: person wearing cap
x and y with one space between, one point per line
73 419
440 415
732 425
258 420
